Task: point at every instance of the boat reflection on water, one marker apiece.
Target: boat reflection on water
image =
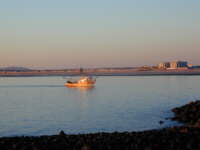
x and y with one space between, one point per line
82 92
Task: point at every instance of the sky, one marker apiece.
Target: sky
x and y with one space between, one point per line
98 33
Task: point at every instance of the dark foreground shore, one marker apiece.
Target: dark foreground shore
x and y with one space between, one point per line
186 137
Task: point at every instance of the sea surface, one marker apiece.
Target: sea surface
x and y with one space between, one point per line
44 106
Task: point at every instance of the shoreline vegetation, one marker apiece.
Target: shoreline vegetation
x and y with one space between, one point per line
185 137
100 72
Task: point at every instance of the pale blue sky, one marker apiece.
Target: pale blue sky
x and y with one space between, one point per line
91 33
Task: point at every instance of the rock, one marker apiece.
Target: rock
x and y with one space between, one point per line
184 130
86 147
161 122
62 133
189 114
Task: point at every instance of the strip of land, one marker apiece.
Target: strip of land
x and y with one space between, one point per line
102 72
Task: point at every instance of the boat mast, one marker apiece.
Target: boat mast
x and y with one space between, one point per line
81 71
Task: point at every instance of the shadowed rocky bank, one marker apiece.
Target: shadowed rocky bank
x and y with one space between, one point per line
177 138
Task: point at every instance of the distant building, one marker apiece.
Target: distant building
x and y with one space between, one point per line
179 65
174 65
164 65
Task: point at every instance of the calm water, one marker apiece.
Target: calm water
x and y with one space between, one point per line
42 105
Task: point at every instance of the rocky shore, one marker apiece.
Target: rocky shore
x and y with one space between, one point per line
188 114
186 137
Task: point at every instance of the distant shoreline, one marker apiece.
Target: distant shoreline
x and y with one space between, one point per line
113 72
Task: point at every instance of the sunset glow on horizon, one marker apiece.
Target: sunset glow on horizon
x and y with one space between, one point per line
58 34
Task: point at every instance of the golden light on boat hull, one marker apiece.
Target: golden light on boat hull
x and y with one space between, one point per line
82 82
79 84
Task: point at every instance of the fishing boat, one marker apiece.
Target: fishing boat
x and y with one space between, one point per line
86 81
